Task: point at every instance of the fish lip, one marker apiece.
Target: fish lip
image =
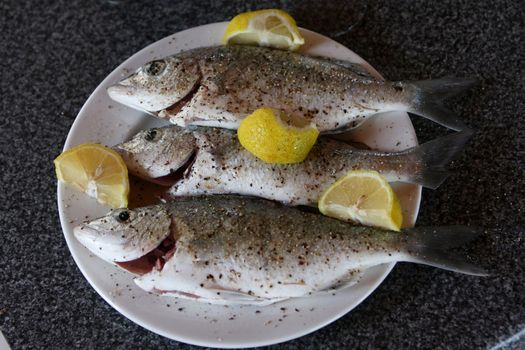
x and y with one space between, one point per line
121 91
87 236
118 93
112 250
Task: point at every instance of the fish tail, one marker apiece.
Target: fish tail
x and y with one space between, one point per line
429 97
435 155
432 246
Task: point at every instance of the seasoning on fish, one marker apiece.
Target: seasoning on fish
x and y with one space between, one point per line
212 161
219 86
230 250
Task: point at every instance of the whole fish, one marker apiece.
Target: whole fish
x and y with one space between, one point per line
219 86
230 250
214 162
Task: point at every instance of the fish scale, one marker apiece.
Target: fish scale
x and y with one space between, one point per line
219 86
220 165
234 250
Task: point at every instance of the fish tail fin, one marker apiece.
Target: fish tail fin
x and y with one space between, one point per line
429 97
435 155
432 246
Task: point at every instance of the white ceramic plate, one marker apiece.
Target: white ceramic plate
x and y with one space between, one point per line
105 121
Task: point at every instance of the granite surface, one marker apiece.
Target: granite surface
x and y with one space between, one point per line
54 53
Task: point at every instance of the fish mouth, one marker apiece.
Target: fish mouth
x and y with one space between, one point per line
159 107
126 94
108 248
114 247
155 259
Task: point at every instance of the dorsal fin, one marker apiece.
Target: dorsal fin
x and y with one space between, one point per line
354 67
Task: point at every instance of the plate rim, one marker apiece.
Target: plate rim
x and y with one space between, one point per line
181 338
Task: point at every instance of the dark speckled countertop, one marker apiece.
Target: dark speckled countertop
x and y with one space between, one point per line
54 53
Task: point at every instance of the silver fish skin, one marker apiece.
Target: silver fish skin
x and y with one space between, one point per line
220 165
233 250
113 238
219 86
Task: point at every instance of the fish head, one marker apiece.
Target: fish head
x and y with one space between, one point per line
157 154
158 85
124 234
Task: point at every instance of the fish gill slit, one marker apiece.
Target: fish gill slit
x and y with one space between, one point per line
188 166
175 108
183 172
154 259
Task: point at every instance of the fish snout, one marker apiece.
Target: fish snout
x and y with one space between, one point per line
150 100
100 245
125 94
124 234
111 246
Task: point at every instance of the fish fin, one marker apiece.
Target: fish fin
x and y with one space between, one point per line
351 278
431 246
232 295
435 155
428 100
240 298
356 68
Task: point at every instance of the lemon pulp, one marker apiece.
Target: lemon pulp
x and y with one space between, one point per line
271 28
97 171
364 197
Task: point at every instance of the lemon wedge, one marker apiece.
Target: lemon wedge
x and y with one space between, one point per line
364 197
276 138
97 171
272 28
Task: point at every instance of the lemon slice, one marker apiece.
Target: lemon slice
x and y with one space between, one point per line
275 138
272 28
97 171
364 197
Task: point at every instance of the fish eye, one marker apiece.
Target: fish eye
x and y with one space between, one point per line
150 135
155 68
123 216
